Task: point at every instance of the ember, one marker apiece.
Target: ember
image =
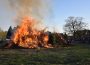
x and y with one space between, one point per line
28 36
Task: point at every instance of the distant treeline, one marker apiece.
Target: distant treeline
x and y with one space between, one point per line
3 35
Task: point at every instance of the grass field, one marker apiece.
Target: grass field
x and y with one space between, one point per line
78 54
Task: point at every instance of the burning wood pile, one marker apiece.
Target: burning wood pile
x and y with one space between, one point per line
27 35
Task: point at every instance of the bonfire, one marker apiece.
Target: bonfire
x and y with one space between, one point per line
28 36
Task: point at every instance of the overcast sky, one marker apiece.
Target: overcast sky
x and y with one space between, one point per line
61 10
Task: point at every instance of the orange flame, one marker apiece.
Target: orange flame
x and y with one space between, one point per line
26 35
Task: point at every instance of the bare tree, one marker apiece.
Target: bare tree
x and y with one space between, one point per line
74 24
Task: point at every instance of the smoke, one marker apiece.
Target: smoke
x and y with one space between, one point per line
39 9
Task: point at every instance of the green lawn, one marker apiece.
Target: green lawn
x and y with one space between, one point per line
74 55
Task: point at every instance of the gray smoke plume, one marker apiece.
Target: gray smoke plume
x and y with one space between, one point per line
35 8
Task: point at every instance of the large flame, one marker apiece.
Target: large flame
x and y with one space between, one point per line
27 35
